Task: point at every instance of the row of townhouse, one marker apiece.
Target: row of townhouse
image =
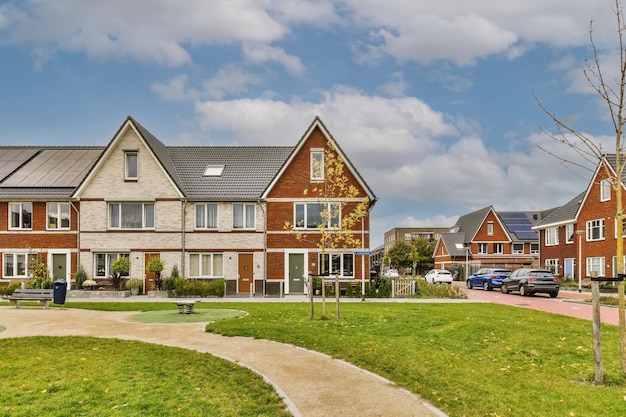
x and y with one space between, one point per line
490 238
213 211
579 239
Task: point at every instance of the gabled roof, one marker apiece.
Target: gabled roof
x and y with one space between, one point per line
565 214
44 173
454 243
247 170
471 222
317 123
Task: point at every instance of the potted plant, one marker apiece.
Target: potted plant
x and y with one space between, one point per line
119 269
134 285
156 267
89 284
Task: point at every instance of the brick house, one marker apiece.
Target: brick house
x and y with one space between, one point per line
486 238
213 211
584 229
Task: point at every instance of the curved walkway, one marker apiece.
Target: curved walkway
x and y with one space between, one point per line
311 384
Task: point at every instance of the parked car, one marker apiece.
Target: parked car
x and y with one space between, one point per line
529 281
392 273
437 276
488 278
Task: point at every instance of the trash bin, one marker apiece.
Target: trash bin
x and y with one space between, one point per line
59 290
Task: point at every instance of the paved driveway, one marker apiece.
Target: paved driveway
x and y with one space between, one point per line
568 303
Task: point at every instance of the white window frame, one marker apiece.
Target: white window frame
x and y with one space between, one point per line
301 215
595 225
115 216
553 265
595 264
489 228
498 248
317 164
615 265
483 248
131 163
205 265
22 221
24 259
551 235
61 213
605 190
248 216
623 227
569 233
102 263
518 251
207 216
534 251
340 264
407 236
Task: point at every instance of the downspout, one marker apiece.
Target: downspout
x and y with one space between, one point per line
183 238
264 248
77 240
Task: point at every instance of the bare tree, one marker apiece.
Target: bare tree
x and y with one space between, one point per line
611 92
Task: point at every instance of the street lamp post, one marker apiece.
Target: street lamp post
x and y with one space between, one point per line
580 234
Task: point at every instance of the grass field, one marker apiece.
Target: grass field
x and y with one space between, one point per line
467 359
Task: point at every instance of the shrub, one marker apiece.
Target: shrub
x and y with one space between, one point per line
9 289
119 269
426 290
156 267
180 287
81 276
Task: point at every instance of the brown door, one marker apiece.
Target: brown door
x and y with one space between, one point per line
149 281
245 273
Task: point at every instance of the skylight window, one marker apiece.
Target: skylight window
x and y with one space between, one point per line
213 170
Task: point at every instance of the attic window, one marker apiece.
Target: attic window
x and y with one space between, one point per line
213 170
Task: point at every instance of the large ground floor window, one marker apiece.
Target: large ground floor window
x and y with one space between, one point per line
103 261
17 265
206 265
341 264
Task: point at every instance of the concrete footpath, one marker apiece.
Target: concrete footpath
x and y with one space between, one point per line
311 384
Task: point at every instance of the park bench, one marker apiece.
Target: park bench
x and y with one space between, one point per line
42 296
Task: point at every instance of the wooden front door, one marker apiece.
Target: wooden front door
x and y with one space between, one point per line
148 283
246 273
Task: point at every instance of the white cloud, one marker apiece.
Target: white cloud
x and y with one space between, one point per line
396 86
174 90
260 54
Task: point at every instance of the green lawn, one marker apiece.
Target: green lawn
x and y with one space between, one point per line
467 359
82 376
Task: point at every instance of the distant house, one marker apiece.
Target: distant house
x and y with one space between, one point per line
579 239
486 238
216 212
407 234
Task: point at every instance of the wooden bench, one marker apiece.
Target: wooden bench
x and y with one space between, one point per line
42 296
185 307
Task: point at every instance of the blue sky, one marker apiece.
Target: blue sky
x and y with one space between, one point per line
432 101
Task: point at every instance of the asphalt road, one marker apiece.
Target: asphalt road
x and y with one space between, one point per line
569 303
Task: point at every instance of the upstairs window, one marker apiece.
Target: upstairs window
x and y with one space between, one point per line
58 216
595 229
552 236
569 233
490 229
131 216
605 190
21 216
206 216
482 248
518 248
314 215
317 165
534 248
243 216
132 167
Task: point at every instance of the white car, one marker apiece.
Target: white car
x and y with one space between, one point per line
438 276
392 273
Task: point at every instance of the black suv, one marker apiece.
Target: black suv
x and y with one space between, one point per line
529 281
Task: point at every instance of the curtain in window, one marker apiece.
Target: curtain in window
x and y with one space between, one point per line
249 215
206 265
218 265
131 216
211 215
194 265
200 216
149 215
238 216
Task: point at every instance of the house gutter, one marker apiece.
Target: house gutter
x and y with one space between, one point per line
77 240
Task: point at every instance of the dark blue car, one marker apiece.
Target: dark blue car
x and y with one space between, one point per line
488 278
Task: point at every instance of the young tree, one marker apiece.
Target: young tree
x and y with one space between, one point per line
337 206
612 92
